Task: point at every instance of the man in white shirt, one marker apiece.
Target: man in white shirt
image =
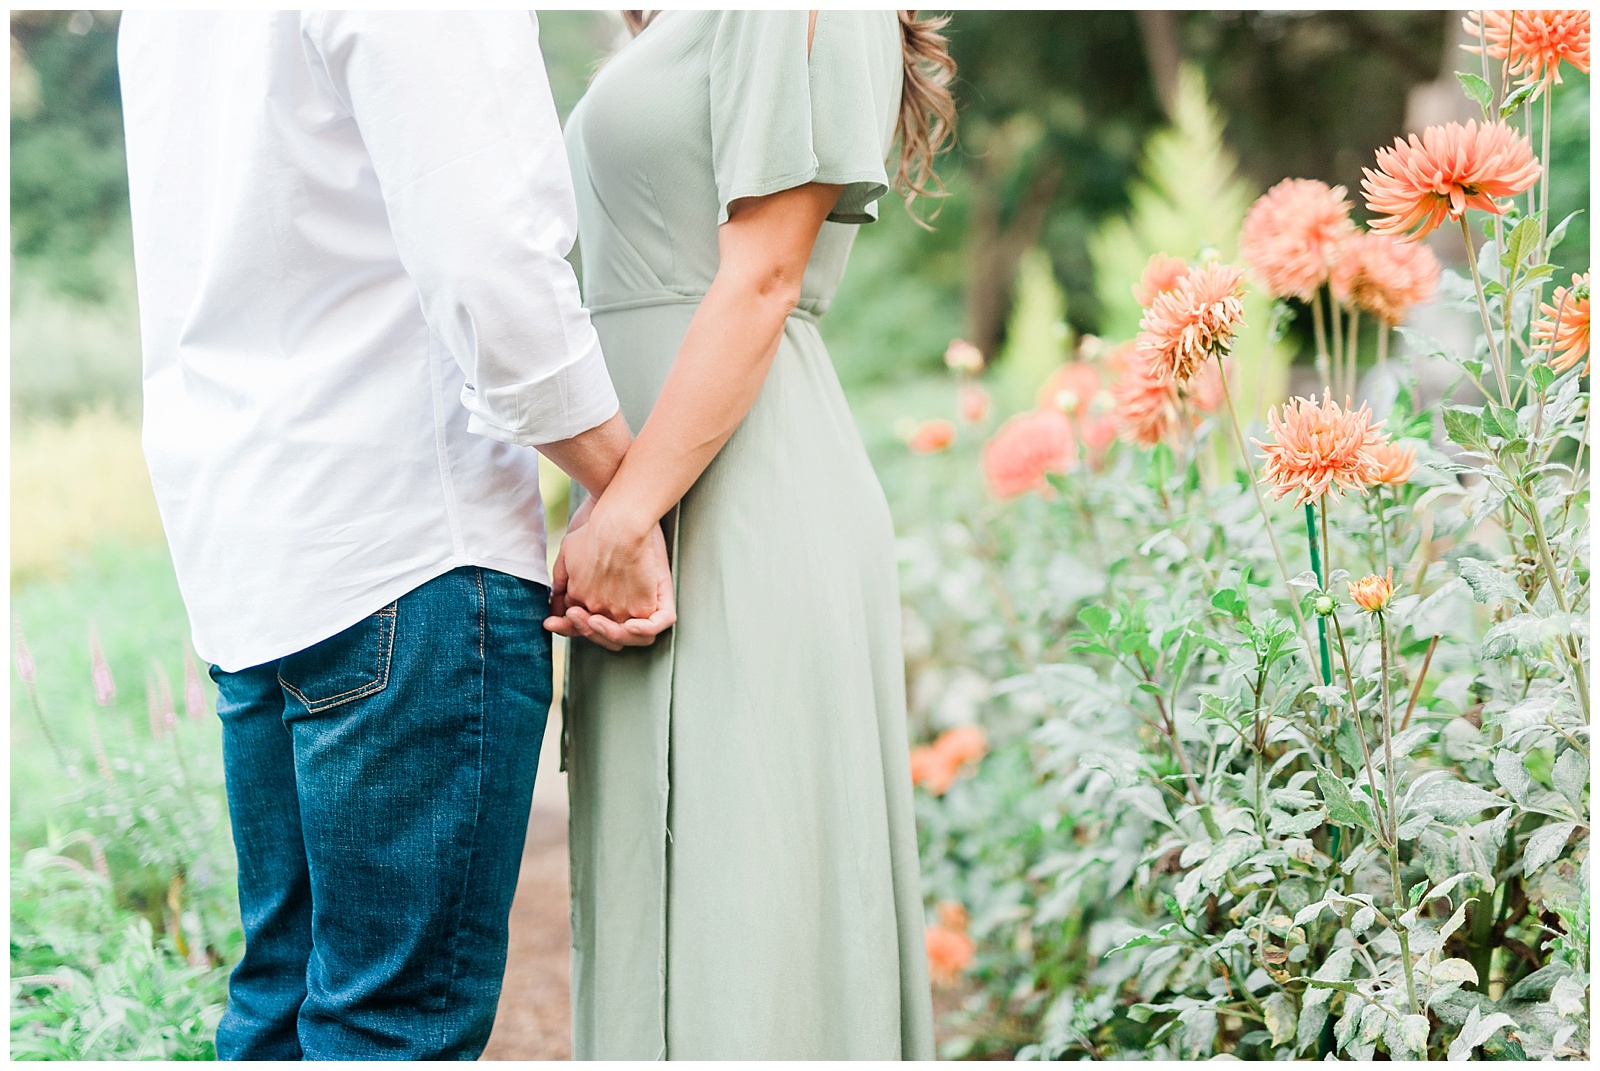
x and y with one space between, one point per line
349 232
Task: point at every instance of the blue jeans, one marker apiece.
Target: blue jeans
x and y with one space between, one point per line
379 784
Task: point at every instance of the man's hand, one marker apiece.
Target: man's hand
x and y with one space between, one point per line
609 586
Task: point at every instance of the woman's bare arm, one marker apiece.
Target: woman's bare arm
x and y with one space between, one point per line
720 368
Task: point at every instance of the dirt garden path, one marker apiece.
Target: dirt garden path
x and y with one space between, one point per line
534 1021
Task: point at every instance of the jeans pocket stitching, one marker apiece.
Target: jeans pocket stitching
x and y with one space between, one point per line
386 642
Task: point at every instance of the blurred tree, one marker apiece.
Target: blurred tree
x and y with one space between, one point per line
69 186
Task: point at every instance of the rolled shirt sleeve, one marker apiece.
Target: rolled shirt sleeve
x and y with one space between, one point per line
456 111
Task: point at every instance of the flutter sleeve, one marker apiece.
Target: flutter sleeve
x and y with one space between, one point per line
781 118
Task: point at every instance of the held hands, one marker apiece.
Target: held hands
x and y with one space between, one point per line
611 583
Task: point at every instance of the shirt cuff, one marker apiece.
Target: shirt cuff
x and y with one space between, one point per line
569 401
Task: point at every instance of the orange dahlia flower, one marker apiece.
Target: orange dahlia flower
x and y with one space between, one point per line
1534 43
1372 593
932 436
1161 274
1395 463
1571 332
1292 233
1384 276
1026 447
964 743
1421 182
949 953
935 766
1184 326
1319 448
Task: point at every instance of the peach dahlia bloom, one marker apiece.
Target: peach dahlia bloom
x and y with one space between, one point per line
1395 463
972 403
935 766
1372 593
950 952
1421 182
932 436
1292 233
1571 334
1147 409
1026 447
1534 43
1319 448
1184 326
1070 388
1162 273
1384 276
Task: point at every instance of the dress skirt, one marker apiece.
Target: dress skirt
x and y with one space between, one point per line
745 880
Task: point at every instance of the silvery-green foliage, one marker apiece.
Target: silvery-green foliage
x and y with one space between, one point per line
1192 840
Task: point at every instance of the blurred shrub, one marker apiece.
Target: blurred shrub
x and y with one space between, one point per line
74 485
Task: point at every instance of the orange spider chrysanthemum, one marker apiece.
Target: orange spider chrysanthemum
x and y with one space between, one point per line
1421 182
1161 274
1395 463
1184 326
1292 233
1571 331
1372 593
1534 43
1384 276
1025 449
1319 448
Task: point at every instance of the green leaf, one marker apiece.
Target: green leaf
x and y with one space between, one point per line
1341 805
1559 231
1477 89
1500 421
1542 377
1414 897
1523 240
1464 425
1515 100
1096 619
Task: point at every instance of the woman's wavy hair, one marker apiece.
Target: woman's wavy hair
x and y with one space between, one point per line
927 122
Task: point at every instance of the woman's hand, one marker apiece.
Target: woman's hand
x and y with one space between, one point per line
611 582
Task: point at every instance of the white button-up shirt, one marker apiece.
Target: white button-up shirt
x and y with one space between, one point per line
349 231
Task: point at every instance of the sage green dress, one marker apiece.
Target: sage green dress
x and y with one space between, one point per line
744 859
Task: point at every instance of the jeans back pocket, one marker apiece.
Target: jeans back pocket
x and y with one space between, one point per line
341 669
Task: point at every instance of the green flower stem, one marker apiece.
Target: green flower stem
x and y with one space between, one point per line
1352 366
1580 681
1361 734
1483 309
1261 503
1383 344
1335 315
1322 581
1322 340
44 725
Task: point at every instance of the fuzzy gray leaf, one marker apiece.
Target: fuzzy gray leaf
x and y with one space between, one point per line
1454 970
1476 1031
1488 583
1408 1038
1571 777
1512 775
1545 846
1452 801
1278 1011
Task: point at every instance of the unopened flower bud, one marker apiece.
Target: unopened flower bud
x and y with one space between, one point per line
1323 605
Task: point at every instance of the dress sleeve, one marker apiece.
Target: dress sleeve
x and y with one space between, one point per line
781 118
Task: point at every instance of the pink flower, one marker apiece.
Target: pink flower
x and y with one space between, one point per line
1291 234
1147 408
963 356
1422 182
1565 320
194 697
1395 463
972 403
105 689
1384 276
1070 388
1534 42
1025 449
25 668
1318 449
932 436
1161 274
1186 326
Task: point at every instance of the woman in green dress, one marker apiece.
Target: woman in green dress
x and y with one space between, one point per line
744 859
